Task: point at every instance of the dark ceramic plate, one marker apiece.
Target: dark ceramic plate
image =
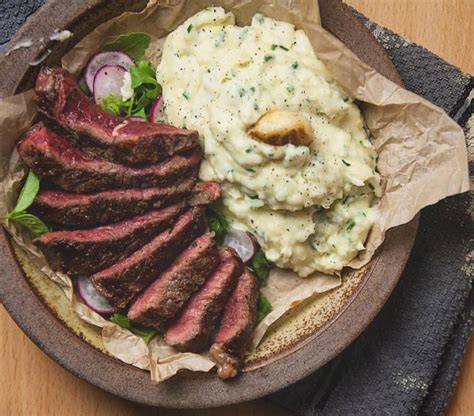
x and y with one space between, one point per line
306 339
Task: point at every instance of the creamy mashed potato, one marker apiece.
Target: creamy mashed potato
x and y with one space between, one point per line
310 207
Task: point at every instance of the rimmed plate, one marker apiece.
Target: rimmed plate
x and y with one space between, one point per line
307 337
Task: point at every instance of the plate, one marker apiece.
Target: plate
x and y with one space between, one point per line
300 343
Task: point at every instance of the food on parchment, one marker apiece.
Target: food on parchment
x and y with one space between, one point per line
84 252
87 210
192 328
162 300
123 281
102 133
236 327
56 159
310 201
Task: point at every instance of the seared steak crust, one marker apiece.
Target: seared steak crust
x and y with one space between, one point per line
56 159
121 282
88 210
84 252
205 193
236 326
162 300
191 329
106 135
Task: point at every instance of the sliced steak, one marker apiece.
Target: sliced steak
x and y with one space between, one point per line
163 299
121 282
205 193
88 210
191 329
56 159
236 327
84 252
115 138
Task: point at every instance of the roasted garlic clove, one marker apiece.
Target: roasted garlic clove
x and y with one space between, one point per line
280 127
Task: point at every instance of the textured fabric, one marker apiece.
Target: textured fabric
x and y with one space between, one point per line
407 361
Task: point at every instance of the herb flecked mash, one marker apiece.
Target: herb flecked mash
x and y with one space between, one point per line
311 207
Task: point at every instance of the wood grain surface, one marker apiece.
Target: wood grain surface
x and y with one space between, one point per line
32 384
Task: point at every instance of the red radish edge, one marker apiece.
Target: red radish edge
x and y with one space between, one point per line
156 111
100 59
92 298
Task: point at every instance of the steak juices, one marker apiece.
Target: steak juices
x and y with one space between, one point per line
127 195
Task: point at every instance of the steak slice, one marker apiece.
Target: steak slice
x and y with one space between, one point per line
205 193
120 283
88 210
56 159
115 138
163 299
191 329
236 326
84 252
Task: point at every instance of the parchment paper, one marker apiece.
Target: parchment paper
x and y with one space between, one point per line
422 159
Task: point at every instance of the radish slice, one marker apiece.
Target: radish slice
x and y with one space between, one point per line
92 297
99 59
108 81
241 242
157 114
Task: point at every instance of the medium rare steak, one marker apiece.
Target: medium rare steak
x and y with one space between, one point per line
56 159
191 329
88 210
84 252
236 326
205 193
121 282
115 138
163 299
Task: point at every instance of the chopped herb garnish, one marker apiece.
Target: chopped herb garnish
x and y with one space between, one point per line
267 58
248 150
283 47
350 226
274 46
250 170
190 27
263 307
186 95
241 92
290 88
253 196
295 65
345 99
256 107
252 89
260 19
345 163
371 186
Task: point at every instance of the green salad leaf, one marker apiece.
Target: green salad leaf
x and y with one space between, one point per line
122 320
25 199
217 223
113 104
28 192
261 266
263 307
29 221
133 43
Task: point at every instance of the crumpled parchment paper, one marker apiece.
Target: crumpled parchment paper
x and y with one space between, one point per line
422 159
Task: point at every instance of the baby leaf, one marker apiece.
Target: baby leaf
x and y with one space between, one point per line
28 193
29 221
263 307
133 43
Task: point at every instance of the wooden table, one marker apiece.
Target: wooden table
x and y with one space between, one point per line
32 384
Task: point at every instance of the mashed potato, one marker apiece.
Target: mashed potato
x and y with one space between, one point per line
310 206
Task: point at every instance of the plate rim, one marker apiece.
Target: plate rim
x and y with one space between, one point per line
65 347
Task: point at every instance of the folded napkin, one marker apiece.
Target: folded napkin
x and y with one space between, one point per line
407 361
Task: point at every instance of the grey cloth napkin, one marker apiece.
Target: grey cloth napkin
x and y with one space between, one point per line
407 361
